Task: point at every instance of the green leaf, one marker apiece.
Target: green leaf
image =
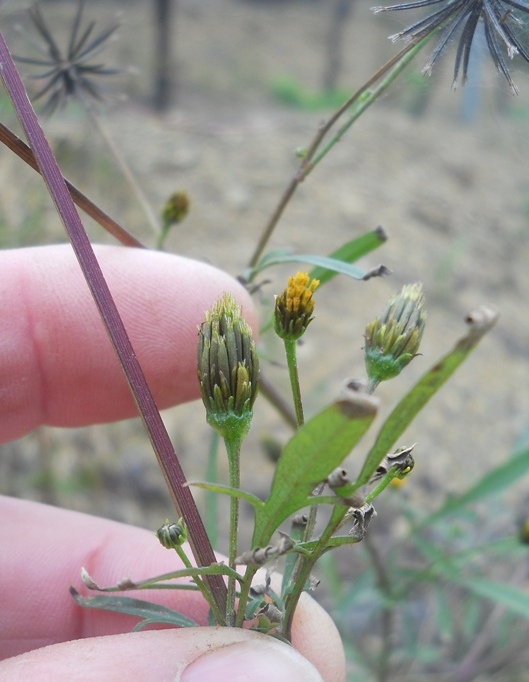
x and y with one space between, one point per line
491 483
322 263
227 490
512 598
153 613
350 252
407 409
308 458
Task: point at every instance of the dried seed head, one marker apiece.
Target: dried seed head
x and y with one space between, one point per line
228 367
392 340
295 306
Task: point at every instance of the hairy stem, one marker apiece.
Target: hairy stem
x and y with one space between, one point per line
233 448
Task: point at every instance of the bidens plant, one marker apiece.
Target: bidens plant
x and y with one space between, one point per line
310 479
309 474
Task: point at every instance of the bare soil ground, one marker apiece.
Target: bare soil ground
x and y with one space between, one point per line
452 192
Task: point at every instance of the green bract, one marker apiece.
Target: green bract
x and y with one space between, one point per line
228 367
393 339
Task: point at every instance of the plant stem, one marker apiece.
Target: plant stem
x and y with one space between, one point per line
304 568
233 449
388 612
21 149
127 174
211 513
167 458
393 68
268 391
292 363
204 590
245 593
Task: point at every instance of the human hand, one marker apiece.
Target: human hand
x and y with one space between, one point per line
57 367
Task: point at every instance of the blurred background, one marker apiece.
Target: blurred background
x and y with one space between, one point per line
213 97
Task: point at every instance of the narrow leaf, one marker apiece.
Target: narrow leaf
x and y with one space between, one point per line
155 613
512 598
491 483
226 490
480 321
350 252
308 458
323 263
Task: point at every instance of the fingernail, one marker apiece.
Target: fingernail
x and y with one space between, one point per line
255 660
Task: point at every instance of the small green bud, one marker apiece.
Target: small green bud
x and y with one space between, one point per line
393 339
294 307
172 535
176 209
228 368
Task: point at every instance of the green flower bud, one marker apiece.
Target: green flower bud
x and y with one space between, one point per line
228 368
294 307
176 209
393 339
172 535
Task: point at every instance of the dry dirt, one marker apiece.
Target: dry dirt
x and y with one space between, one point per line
452 193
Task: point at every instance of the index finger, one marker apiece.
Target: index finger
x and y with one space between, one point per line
57 365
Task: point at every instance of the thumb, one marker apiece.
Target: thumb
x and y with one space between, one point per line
186 655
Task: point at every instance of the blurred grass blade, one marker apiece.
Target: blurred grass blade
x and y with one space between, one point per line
491 483
350 252
308 458
479 321
154 613
512 598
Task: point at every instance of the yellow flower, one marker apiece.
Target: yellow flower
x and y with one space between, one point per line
295 306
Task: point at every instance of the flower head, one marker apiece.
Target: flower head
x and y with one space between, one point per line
502 25
172 535
228 367
70 72
393 339
295 306
176 208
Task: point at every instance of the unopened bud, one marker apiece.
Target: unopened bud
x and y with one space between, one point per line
392 340
228 367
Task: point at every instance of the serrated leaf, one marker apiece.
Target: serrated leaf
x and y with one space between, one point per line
153 613
308 458
407 409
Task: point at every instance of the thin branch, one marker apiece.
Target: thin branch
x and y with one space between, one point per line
174 475
21 149
393 67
